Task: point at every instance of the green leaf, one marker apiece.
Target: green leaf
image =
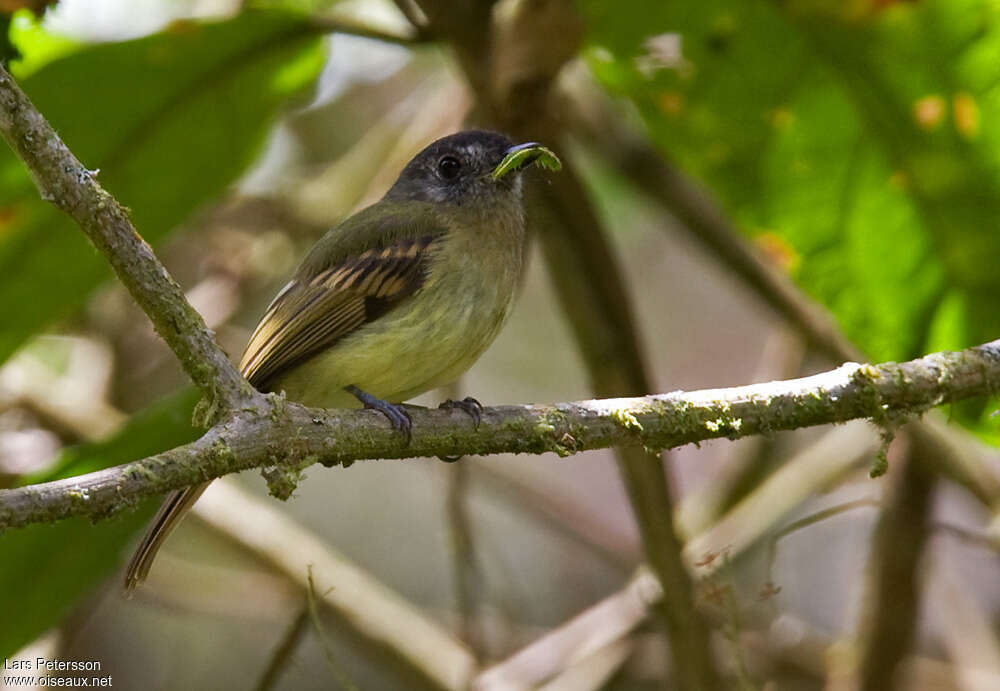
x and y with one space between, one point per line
865 143
47 569
170 121
35 45
525 155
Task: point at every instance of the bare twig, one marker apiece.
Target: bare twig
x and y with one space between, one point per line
353 28
968 632
618 615
822 464
811 519
797 643
593 671
409 9
601 625
389 625
332 661
283 653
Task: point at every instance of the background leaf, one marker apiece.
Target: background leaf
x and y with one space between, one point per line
169 120
47 569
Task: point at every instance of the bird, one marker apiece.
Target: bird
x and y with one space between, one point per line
398 299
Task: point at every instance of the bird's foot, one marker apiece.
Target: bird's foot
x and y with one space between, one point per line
472 408
469 405
397 415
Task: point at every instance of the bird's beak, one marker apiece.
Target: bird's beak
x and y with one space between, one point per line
521 156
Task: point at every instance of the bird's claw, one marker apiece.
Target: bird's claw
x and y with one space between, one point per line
399 418
469 405
397 415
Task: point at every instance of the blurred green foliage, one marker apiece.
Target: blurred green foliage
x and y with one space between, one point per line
169 121
857 142
46 569
35 46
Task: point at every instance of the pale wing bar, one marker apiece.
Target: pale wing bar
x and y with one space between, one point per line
311 314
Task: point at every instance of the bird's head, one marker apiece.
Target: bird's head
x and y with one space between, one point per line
470 167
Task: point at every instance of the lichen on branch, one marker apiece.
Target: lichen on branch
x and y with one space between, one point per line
290 437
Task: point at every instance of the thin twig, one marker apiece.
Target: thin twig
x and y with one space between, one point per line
597 627
351 28
283 653
811 519
333 662
971 538
412 13
823 464
388 627
968 630
569 519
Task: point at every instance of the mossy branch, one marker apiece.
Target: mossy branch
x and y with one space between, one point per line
73 188
286 438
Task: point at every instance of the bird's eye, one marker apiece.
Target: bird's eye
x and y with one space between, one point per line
448 167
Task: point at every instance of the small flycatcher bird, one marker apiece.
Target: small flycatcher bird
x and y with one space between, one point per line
396 300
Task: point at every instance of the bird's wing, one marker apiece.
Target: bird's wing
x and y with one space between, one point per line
318 308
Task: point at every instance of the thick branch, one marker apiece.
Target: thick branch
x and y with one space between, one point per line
291 437
70 186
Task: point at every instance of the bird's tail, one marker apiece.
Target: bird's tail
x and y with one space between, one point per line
170 514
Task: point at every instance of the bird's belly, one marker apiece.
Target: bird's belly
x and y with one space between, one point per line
424 343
